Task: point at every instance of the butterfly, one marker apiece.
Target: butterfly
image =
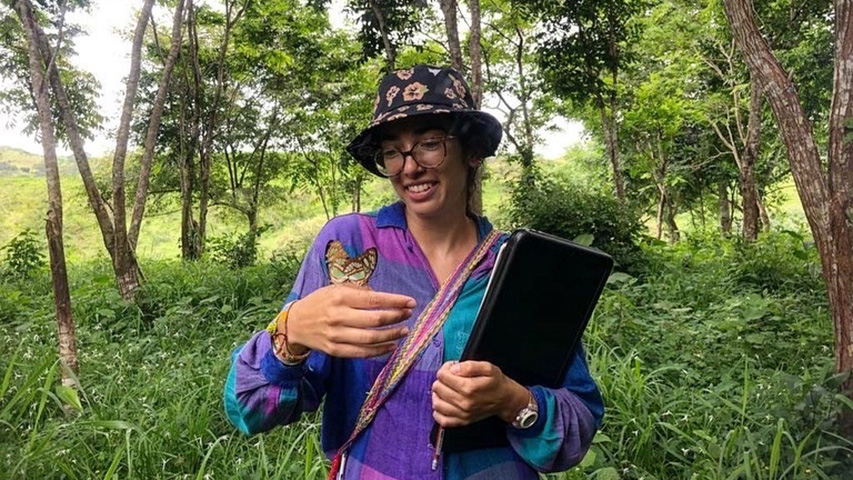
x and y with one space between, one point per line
343 269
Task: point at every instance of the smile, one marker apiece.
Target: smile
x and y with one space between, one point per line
419 187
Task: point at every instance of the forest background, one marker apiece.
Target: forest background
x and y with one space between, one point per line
715 167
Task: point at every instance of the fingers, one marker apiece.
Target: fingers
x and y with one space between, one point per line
365 337
376 318
446 414
369 299
451 396
344 350
474 369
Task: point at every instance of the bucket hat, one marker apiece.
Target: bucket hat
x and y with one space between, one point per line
424 90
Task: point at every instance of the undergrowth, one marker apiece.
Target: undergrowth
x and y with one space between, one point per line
715 362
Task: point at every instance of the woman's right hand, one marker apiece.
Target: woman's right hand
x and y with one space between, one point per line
346 321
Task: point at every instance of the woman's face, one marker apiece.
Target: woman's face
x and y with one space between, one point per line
428 193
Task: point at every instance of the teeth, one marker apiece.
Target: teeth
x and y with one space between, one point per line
421 187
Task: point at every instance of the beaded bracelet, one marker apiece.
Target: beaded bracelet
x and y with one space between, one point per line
279 339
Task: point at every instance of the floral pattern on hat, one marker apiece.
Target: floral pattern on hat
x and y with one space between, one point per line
391 94
459 86
414 91
397 116
423 89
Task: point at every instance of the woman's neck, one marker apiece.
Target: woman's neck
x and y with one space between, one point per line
445 240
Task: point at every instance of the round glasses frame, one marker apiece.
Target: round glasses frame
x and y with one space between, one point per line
414 152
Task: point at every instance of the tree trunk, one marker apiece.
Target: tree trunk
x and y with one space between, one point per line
190 241
608 126
476 201
448 8
762 211
475 50
827 201
154 127
53 226
390 51
77 145
124 259
671 227
748 190
725 208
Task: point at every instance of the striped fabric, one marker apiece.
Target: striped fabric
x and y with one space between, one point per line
261 392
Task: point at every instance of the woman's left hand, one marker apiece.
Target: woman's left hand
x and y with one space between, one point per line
467 392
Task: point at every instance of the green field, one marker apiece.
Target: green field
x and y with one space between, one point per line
294 221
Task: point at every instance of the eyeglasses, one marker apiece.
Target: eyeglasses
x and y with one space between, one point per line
428 153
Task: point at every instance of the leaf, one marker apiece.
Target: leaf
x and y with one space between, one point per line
69 396
115 425
584 239
606 473
846 401
618 277
588 459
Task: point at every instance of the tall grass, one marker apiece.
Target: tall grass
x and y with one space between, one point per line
708 372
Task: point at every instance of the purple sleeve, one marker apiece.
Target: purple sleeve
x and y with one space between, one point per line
568 419
261 392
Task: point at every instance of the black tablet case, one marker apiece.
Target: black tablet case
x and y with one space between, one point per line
540 296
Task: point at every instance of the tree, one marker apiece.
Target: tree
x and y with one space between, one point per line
827 198
114 231
513 77
53 225
448 8
581 55
386 25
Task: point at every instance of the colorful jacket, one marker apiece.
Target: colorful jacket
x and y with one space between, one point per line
261 392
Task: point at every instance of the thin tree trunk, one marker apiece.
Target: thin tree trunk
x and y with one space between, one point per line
190 229
748 190
53 226
671 226
390 51
154 127
827 201
725 208
476 201
475 50
448 8
96 202
762 211
124 260
612 151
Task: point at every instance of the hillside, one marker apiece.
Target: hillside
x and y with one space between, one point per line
15 162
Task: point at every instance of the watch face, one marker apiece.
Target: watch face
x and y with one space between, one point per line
528 418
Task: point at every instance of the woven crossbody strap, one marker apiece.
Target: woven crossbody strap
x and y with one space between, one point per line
427 325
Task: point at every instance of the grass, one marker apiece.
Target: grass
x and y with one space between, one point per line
714 364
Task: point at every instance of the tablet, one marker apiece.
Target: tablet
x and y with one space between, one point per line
539 298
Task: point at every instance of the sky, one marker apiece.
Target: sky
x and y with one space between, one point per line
105 53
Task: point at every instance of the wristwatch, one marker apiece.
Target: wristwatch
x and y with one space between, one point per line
527 416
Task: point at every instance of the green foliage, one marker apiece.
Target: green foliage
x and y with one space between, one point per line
569 211
151 379
704 374
24 255
236 251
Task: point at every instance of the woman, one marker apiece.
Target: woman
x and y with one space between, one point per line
408 279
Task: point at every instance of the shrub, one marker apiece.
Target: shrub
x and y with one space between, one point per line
24 255
236 251
570 211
